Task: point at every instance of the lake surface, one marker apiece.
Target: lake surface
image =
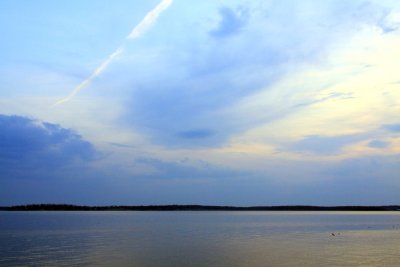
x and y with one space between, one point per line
199 238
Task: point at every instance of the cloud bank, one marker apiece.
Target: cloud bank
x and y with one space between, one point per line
28 145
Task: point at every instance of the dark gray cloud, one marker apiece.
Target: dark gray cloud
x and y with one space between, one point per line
378 144
368 180
196 134
324 144
29 145
359 181
231 22
392 127
184 170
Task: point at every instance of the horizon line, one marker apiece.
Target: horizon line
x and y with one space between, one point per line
195 207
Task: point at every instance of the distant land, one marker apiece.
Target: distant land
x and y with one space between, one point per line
67 207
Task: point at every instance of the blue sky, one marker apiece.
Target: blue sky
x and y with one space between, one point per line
206 102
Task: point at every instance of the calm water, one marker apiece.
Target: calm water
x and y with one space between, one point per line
199 238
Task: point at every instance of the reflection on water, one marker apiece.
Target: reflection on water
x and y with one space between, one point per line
200 238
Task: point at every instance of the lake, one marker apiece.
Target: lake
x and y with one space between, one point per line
202 238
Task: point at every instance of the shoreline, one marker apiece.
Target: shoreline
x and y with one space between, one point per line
68 207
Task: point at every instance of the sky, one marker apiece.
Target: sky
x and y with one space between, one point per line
200 102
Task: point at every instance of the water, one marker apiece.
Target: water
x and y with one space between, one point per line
199 238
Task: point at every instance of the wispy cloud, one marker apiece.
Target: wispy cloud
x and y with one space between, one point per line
138 30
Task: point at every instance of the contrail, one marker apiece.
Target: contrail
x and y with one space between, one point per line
149 19
139 29
88 80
